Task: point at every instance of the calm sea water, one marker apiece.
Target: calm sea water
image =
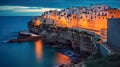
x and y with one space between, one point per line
25 54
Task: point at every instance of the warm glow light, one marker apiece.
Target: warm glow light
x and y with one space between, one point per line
62 59
84 23
91 22
38 22
38 49
63 22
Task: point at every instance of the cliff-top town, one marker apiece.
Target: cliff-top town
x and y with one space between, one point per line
78 29
93 18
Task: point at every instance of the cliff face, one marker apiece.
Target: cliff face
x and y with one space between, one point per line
75 38
32 28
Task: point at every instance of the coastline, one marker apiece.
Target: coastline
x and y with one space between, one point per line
64 45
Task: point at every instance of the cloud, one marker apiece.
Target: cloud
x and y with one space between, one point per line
25 9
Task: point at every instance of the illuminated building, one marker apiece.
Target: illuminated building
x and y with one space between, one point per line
93 17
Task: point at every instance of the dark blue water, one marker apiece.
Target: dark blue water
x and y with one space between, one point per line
25 54
10 25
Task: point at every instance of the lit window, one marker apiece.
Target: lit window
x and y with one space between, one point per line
110 12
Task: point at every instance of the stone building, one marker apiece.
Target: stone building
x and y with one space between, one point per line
93 17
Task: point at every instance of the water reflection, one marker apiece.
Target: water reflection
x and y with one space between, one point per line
62 59
59 58
38 50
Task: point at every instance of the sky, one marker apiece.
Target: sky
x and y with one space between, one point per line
37 7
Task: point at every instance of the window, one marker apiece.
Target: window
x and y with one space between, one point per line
105 14
95 10
59 17
104 7
91 18
64 13
111 16
99 7
74 16
44 21
95 16
102 14
110 12
98 14
81 17
99 17
95 13
114 12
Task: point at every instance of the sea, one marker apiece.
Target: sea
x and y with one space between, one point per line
25 54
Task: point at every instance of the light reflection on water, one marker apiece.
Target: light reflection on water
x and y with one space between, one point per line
62 59
58 57
38 50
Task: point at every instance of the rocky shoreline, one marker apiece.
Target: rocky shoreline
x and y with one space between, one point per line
25 37
70 47
79 45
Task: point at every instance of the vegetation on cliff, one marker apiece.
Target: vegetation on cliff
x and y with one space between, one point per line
107 61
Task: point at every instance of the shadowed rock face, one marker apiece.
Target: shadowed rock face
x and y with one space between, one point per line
77 40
